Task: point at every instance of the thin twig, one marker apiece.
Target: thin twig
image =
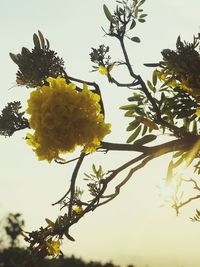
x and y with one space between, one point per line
73 179
125 180
69 161
95 85
177 207
196 186
73 183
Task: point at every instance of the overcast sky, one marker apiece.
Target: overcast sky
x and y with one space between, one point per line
133 228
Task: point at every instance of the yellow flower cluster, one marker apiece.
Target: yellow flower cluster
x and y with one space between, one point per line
190 84
64 118
53 247
181 68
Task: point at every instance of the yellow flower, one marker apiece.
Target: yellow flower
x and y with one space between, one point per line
77 209
103 70
197 113
63 118
53 247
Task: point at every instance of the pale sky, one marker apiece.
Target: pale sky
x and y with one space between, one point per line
133 228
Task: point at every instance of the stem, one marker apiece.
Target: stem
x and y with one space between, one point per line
73 183
127 178
176 130
73 180
132 74
182 144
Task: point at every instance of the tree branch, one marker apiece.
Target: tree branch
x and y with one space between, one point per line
125 180
72 185
182 144
178 206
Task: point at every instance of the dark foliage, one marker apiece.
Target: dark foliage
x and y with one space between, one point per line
11 120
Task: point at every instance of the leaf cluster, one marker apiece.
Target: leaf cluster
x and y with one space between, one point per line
196 217
37 65
179 107
99 56
125 17
13 228
143 122
95 180
11 119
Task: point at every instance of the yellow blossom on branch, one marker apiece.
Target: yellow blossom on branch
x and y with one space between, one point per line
64 118
77 209
105 70
53 247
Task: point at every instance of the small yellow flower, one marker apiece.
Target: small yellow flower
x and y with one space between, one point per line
53 247
77 209
103 70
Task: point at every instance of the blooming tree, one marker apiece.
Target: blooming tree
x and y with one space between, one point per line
66 112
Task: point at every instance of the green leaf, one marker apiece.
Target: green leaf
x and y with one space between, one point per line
178 154
135 39
145 139
167 81
162 99
130 113
135 97
100 170
144 129
48 44
140 111
25 51
142 16
141 20
133 125
134 135
87 175
188 158
36 41
14 58
169 172
131 98
178 162
94 169
151 65
41 39
69 236
154 77
108 14
151 87
129 107
133 24
141 3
